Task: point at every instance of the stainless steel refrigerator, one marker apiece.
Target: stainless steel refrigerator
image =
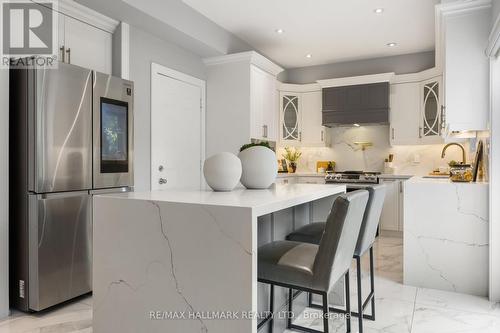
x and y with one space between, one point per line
71 136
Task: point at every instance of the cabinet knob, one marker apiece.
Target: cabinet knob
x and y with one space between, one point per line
162 181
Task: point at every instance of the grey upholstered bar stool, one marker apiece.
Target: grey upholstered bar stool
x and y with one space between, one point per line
312 233
316 268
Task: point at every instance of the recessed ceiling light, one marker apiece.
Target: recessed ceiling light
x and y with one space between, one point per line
308 55
356 125
279 31
392 44
378 10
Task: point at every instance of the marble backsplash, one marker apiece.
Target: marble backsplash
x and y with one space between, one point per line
412 160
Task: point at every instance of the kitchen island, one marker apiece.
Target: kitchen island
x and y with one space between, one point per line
446 235
184 261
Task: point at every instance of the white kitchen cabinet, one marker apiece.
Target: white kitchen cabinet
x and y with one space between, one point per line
286 180
241 101
464 30
431 107
313 132
416 106
391 218
405 113
301 116
84 36
86 46
290 118
263 113
311 180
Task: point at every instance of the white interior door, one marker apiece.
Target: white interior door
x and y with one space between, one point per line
177 129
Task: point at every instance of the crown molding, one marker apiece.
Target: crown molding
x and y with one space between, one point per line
299 88
79 12
416 77
355 80
251 57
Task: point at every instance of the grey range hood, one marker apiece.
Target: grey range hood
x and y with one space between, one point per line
366 104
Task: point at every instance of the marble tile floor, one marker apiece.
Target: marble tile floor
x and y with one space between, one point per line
400 308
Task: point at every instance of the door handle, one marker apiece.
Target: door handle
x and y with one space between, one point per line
160 168
420 132
393 133
68 51
63 53
162 181
322 136
264 131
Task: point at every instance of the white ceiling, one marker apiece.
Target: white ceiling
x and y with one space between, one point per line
329 30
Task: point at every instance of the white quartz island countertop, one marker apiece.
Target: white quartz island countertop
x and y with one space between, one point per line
261 202
184 261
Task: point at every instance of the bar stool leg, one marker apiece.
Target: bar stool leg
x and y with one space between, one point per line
326 315
372 283
290 308
271 308
360 298
347 303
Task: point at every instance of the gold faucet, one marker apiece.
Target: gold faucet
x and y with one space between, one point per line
464 160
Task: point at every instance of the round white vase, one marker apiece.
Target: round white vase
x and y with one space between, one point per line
260 167
222 171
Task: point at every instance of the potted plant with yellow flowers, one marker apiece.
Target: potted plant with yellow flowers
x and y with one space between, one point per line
292 156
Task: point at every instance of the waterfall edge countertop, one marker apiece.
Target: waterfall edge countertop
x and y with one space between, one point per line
164 259
262 202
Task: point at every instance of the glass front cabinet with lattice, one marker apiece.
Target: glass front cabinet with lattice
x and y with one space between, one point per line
291 116
431 107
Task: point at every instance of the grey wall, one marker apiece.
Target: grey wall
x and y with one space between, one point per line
145 49
402 64
4 193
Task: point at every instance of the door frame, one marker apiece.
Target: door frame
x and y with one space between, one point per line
157 69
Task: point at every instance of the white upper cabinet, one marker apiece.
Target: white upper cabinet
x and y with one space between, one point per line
405 113
241 101
313 132
301 116
431 107
84 36
290 118
263 113
416 107
463 33
87 46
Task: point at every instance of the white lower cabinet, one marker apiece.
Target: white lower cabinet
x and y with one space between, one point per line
311 180
286 180
392 212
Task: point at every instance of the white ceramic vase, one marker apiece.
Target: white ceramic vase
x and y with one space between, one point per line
222 171
260 167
